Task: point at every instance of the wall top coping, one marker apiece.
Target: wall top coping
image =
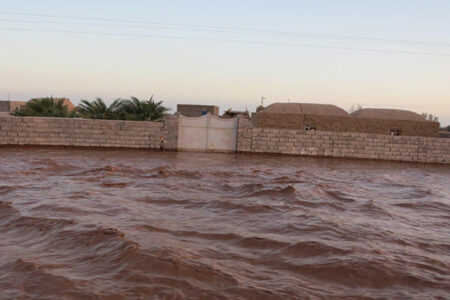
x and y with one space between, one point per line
51 119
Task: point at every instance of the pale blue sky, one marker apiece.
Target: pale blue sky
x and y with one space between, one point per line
230 74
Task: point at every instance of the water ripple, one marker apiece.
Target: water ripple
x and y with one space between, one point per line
137 225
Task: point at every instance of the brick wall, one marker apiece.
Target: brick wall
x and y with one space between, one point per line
342 144
147 135
80 132
345 124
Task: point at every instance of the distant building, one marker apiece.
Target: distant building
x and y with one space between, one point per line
305 109
193 110
307 116
7 106
389 114
324 117
398 122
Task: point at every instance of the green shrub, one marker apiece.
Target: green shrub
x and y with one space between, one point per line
137 110
97 109
45 107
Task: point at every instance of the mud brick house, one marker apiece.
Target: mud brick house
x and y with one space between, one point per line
10 106
394 122
308 116
326 117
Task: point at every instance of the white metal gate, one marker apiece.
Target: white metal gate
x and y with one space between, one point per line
207 133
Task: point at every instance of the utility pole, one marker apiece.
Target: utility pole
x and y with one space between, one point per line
261 107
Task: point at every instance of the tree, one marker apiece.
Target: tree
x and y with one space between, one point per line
137 110
353 109
98 109
430 117
44 107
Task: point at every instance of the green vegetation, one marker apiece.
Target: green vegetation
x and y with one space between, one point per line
45 107
131 109
354 108
137 110
97 109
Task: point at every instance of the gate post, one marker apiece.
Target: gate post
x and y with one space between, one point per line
208 126
169 134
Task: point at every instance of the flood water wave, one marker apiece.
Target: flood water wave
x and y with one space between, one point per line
110 224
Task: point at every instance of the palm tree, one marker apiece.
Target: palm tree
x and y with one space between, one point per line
44 107
137 110
98 109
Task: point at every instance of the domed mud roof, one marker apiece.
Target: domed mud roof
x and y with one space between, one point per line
391 114
305 108
69 104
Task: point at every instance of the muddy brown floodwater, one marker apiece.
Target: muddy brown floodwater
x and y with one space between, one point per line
110 224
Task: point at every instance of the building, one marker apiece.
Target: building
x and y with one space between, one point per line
396 122
307 116
9 106
306 109
193 110
67 103
387 114
325 117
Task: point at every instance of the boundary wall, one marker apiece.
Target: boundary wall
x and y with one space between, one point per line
85 133
342 144
164 135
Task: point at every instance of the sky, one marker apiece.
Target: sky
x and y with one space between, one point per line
376 53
